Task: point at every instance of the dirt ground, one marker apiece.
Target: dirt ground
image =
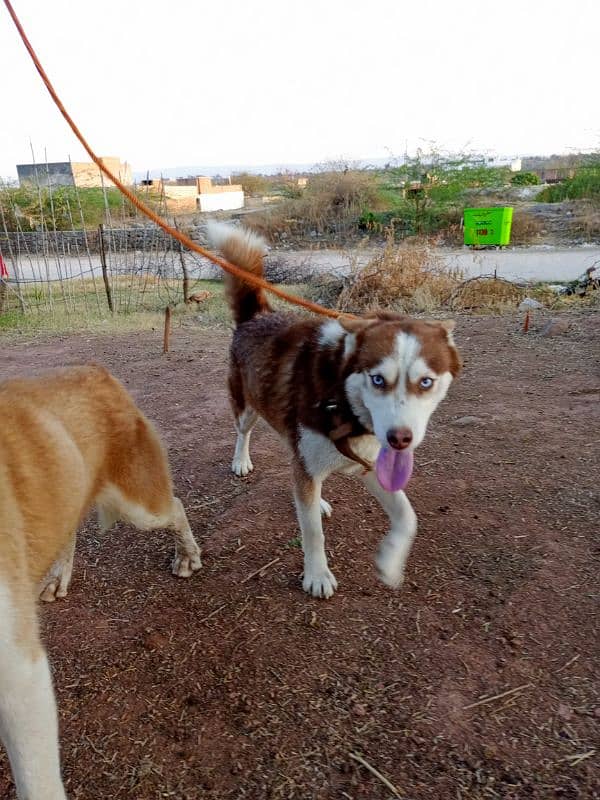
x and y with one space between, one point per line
478 679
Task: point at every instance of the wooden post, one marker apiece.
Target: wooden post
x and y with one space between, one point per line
104 269
167 329
186 277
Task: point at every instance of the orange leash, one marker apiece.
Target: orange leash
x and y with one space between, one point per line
232 269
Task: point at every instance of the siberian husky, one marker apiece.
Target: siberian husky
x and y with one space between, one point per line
351 395
68 441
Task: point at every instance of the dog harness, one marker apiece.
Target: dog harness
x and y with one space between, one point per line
343 426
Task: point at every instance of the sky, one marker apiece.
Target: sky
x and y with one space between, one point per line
214 82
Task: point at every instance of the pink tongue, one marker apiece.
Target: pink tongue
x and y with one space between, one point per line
394 468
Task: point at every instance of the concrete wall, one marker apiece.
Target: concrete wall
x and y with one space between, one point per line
56 174
221 201
218 198
84 174
179 192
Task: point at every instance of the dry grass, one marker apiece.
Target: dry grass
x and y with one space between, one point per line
410 279
586 220
487 294
525 229
331 204
407 278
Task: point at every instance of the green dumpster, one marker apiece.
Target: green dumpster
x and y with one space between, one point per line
488 226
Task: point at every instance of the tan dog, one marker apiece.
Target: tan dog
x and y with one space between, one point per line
68 441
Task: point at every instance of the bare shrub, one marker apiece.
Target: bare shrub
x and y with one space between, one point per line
325 289
487 294
525 228
253 185
331 204
407 278
586 220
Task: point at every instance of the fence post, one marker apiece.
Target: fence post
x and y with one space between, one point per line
186 277
104 269
167 330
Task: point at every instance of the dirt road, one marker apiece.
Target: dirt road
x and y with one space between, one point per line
478 680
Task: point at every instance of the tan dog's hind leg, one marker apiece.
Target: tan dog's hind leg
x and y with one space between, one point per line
114 505
28 719
187 553
56 582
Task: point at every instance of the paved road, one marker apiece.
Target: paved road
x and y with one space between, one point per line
526 264
531 264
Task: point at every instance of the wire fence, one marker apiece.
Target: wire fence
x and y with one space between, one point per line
52 262
85 253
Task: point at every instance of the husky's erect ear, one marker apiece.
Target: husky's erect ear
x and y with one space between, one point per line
355 324
447 324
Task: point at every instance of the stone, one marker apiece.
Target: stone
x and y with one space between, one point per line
465 422
556 327
529 303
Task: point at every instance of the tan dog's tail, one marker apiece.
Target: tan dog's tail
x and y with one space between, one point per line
246 250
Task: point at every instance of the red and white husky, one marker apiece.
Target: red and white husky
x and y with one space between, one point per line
347 395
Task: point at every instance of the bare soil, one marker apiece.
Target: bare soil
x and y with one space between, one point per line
477 680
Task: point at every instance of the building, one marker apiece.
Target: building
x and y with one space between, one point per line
83 174
553 169
187 194
219 198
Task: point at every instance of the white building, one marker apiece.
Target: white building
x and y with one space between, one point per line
218 198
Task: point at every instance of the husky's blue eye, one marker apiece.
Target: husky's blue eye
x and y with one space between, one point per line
378 381
426 383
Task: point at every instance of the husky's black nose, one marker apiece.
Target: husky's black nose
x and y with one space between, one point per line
399 438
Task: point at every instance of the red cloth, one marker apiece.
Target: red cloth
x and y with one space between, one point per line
3 270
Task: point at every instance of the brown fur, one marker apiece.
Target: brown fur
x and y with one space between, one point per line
376 333
310 380
279 368
64 438
68 440
245 301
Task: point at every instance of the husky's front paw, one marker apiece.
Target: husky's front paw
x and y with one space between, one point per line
242 467
320 583
390 563
185 564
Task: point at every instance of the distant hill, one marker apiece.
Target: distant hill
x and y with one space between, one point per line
224 170
230 169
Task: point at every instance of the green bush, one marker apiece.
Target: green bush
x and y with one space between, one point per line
525 179
584 185
64 207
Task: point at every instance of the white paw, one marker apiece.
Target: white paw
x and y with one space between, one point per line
242 467
184 565
53 590
319 584
326 509
390 563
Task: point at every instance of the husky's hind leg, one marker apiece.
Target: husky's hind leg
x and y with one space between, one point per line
245 419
